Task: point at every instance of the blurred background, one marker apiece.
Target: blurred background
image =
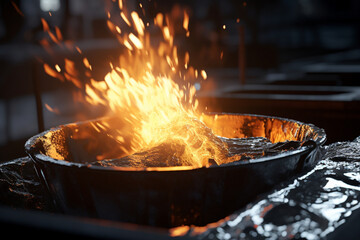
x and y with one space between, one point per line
296 59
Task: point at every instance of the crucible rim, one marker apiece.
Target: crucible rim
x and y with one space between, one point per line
37 156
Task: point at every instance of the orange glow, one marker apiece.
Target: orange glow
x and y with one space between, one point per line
195 230
179 231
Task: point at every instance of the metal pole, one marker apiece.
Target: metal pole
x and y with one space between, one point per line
37 93
242 60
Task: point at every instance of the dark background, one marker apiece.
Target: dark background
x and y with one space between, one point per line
310 45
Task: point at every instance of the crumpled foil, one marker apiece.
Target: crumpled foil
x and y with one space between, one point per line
21 188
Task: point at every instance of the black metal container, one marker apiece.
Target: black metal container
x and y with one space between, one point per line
167 197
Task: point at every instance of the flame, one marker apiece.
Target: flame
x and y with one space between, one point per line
148 92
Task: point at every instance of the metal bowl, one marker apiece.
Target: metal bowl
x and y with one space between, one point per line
167 197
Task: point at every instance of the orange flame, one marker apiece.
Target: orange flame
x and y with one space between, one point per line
143 94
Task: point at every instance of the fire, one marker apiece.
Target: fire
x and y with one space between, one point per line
148 92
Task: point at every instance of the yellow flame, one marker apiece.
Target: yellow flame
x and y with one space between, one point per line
141 92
